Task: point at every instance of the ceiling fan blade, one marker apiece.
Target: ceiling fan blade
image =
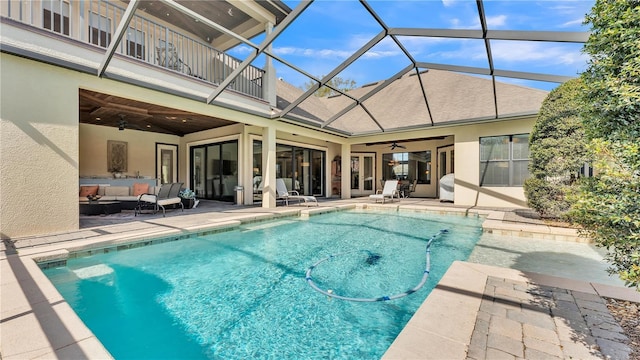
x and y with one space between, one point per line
395 145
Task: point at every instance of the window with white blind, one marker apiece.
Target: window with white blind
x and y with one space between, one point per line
504 160
99 30
135 43
55 16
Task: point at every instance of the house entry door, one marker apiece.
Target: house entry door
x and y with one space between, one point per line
166 163
445 164
362 174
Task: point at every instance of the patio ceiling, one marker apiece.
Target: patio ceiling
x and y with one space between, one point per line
245 18
126 114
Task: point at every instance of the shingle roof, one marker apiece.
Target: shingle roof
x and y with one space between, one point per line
448 97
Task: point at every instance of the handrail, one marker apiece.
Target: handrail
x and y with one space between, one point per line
94 22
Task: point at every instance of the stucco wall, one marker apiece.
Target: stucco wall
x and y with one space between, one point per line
467 159
141 150
38 148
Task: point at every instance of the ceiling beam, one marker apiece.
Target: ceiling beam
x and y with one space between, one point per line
456 68
533 76
552 36
487 46
424 95
254 10
245 30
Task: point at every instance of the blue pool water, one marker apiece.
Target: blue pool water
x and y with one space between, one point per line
242 294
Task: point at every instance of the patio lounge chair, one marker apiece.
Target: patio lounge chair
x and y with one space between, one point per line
167 195
168 57
286 195
390 190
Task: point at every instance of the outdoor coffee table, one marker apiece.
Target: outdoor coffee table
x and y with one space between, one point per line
99 207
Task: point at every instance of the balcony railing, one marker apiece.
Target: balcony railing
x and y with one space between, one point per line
152 41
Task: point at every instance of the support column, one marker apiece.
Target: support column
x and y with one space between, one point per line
346 171
268 167
269 80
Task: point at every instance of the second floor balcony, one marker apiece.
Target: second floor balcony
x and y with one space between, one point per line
156 35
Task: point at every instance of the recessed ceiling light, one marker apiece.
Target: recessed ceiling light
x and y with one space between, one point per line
184 120
148 126
171 117
98 119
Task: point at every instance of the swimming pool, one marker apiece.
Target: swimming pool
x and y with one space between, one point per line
242 293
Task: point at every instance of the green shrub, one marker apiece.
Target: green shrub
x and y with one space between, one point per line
557 150
608 206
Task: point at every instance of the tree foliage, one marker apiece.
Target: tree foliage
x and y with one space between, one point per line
608 205
336 82
557 151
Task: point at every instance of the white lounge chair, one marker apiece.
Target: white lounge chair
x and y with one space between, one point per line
167 195
286 195
389 192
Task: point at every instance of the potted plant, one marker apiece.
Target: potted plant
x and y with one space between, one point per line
116 171
188 197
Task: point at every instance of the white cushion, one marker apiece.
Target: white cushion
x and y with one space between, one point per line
175 200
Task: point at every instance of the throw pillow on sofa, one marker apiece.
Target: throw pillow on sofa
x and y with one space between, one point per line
88 190
140 188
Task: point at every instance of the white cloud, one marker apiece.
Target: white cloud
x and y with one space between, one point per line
493 22
496 21
242 49
385 48
523 51
448 3
312 53
572 23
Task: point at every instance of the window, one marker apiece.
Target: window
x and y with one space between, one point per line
407 166
99 30
55 16
135 43
504 160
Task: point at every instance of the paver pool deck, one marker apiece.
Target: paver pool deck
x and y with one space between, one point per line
476 311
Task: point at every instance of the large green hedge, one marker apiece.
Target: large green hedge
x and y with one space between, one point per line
557 149
608 205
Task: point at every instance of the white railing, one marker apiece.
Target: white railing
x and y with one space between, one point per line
94 22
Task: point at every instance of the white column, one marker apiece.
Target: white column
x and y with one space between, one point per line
346 171
268 167
269 80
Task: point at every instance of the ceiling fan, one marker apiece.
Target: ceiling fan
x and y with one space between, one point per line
122 124
395 145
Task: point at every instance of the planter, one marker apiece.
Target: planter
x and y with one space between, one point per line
188 203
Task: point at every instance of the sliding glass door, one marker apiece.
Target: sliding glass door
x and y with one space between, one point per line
214 170
301 169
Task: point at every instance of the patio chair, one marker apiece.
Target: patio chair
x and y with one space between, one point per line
412 187
167 195
286 195
168 58
389 191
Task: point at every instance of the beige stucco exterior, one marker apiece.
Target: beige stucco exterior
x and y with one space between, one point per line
44 150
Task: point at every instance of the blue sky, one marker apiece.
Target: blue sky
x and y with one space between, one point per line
328 32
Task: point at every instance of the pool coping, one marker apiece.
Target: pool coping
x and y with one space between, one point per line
32 308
